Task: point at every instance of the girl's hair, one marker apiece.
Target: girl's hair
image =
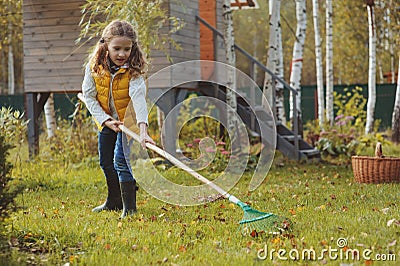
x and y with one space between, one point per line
117 28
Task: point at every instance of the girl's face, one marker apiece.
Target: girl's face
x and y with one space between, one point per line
119 49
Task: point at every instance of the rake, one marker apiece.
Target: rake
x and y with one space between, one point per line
254 222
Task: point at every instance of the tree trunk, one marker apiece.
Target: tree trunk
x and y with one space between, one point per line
50 116
396 112
279 97
229 41
369 127
11 76
272 54
318 63
297 60
329 62
3 85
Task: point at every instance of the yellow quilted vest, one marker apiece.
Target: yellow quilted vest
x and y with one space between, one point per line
120 95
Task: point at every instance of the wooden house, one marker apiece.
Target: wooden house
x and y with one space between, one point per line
53 62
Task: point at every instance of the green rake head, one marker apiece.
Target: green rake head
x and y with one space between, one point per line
256 222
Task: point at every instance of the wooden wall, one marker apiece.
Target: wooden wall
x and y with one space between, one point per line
54 63
52 60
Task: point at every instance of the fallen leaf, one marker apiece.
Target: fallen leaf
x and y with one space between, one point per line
254 233
385 210
275 240
182 248
390 222
393 243
368 262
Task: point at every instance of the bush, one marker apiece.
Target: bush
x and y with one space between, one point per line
12 133
6 197
345 137
75 140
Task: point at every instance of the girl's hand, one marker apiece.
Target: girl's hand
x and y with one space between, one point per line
113 125
144 137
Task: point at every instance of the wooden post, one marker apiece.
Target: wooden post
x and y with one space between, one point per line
34 103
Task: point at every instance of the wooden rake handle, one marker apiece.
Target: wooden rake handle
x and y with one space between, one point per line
175 161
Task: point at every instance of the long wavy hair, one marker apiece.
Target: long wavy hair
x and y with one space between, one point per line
118 28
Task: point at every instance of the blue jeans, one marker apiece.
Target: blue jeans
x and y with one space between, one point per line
111 154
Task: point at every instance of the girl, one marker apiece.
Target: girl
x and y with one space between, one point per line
113 80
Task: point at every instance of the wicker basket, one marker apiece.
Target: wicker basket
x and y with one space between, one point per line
378 169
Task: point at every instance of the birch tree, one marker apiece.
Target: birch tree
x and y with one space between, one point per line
297 59
318 64
396 112
229 41
50 116
279 71
272 53
329 62
372 68
11 76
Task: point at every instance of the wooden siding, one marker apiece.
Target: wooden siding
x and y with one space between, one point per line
54 63
52 60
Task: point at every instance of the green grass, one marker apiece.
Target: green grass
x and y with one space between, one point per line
55 225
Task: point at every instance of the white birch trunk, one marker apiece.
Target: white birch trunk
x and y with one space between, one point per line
11 76
279 98
272 53
369 127
297 60
391 51
318 64
50 116
396 112
329 62
229 41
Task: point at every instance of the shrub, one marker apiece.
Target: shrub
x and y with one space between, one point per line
75 140
345 137
12 132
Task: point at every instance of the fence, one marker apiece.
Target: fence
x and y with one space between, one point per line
385 96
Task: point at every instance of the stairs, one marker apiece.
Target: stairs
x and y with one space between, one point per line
293 147
286 139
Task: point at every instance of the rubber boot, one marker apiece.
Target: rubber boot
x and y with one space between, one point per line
114 200
128 193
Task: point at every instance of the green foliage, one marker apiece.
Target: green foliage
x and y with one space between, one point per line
148 17
6 198
346 136
11 41
12 127
75 142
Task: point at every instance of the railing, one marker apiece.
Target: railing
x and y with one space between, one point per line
275 78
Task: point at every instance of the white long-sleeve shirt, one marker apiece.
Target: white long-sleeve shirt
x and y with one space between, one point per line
137 92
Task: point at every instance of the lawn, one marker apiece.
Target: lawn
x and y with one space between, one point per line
336 221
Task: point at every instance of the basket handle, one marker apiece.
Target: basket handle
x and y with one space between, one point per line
378 150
